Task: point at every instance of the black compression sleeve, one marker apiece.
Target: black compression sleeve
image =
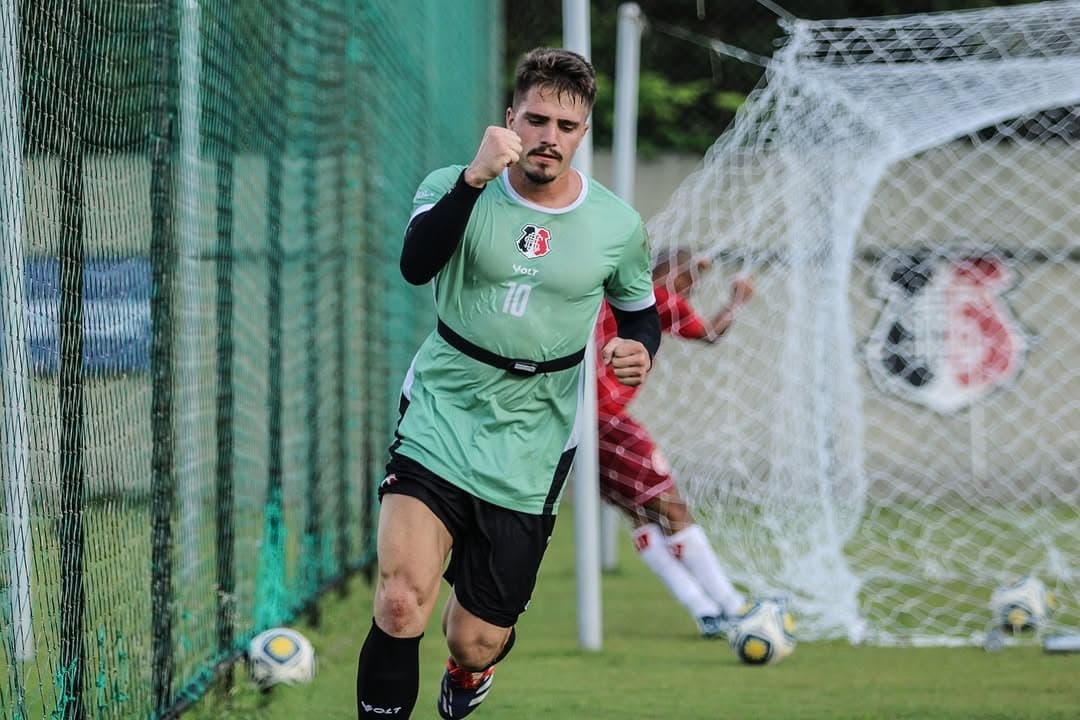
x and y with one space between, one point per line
434 235
640 325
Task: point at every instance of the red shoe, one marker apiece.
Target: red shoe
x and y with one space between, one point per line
462 691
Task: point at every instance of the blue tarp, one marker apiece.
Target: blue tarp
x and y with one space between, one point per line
116 314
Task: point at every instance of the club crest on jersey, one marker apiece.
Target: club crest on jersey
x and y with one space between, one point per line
534 241
945 337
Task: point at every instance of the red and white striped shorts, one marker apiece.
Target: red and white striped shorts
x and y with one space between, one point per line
633 470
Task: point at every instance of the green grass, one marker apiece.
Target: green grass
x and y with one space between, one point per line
653 665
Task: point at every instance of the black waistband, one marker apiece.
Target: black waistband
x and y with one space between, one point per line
511 365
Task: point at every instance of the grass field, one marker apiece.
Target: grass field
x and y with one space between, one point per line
653 665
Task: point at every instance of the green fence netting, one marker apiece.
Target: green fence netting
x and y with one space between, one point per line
204 329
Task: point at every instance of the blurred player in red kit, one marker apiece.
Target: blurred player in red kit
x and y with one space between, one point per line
635 476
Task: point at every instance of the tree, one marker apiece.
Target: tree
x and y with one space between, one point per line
688 95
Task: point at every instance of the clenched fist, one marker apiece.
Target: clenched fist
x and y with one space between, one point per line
628 359
500 148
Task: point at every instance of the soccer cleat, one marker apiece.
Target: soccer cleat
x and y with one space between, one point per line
462 691
714 626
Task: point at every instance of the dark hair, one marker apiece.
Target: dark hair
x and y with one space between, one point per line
562 70
676 260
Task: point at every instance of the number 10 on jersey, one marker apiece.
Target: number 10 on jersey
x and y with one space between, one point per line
517 298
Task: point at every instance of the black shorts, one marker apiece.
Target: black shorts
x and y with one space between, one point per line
496 552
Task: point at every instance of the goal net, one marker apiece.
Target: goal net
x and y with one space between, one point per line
891 427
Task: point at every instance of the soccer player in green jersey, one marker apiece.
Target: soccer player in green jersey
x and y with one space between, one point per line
520 249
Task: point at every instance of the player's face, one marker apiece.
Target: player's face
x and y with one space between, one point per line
681 278
683 282
550 127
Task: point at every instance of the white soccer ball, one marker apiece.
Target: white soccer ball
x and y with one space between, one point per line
1022 606
280 655
764 634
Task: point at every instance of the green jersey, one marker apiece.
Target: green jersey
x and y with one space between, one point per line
525 282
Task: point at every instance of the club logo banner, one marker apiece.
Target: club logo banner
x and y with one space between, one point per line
945 337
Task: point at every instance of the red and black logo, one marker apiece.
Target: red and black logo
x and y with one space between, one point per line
534 241
945 337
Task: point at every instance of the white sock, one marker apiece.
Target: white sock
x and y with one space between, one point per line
692 548
653 550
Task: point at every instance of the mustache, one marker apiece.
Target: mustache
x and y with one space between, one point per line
547 150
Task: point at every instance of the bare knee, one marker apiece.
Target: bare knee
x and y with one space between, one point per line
673 512
475 649
402 607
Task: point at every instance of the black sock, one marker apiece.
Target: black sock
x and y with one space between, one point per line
388 675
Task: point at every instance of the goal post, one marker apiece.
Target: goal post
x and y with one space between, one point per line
597 525
14 364
586 489
890 428
623 171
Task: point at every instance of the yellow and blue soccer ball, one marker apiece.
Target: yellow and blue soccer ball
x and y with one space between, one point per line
763 634
1022 605
280 655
